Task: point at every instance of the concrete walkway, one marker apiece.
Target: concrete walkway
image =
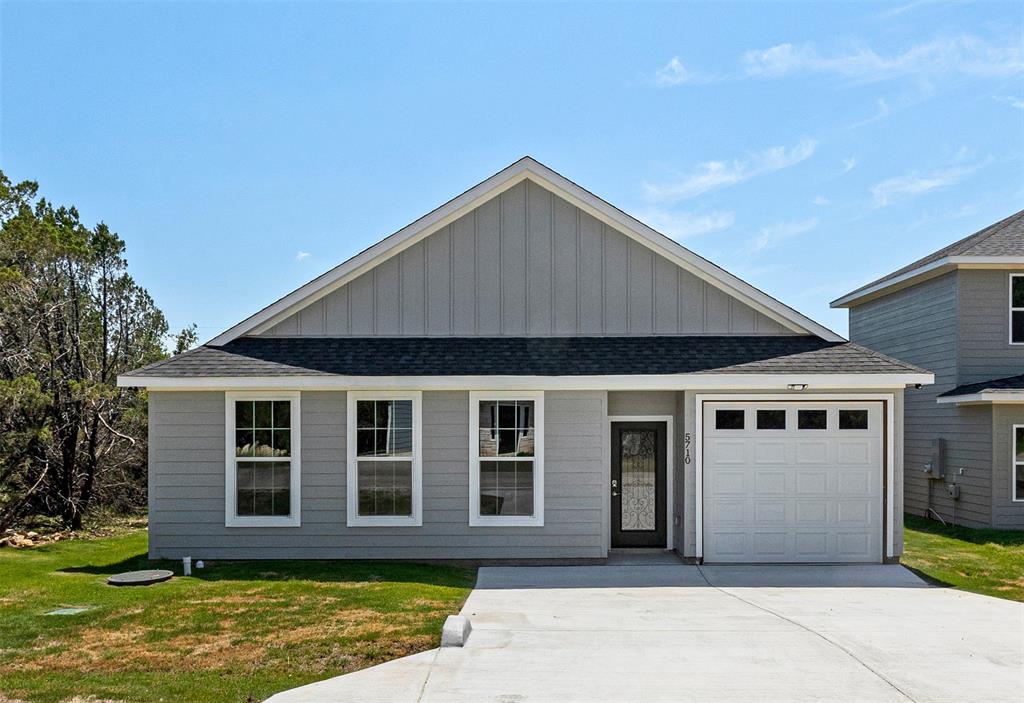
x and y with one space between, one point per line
671 632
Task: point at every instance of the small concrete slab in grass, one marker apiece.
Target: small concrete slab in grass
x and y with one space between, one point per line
73 610
145 577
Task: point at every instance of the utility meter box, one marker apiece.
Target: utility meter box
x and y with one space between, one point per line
936 466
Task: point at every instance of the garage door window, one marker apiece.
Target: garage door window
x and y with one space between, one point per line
812 419
853 419
728 419
771 419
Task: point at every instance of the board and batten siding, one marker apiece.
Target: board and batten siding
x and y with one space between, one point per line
186 460
983 346
526 263
919 325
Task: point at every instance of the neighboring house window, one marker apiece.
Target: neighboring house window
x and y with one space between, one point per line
1018 463
1017 309
506 466
384 476
262 480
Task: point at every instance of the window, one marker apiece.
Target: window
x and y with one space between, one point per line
384 484
771 419
262 482
506 479
1018 463
1017 309
812 419
728 419
853 419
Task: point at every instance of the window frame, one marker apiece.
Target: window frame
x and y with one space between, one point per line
231 516
1014 463
475 518
1012 309
352 516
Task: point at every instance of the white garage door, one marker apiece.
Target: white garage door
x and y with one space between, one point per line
792 481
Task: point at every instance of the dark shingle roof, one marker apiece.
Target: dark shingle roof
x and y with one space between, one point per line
1004 238
1010 383
523 356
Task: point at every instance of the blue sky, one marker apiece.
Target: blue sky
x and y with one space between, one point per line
242 149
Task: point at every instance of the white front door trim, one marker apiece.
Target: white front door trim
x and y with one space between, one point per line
889 400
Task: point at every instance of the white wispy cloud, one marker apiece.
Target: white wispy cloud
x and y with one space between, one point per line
965 54
849 164
712 175
821 200
672 73
680 225
916 183
302 255
773 235
1012 101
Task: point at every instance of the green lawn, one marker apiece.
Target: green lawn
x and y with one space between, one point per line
235 631
983 561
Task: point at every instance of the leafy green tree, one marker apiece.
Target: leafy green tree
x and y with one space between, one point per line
71 319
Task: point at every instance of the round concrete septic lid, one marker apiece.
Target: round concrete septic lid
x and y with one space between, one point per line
140 578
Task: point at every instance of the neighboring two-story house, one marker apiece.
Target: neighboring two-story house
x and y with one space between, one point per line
527 372
958 312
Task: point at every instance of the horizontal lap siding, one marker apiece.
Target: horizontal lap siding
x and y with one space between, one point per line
187 486
1005 512
919 325
984 348
526 262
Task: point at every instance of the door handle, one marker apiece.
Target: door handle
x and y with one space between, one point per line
615 485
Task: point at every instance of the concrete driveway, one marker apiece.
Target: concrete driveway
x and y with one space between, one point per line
672 632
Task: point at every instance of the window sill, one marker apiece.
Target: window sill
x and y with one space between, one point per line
290 521
357 521
489 521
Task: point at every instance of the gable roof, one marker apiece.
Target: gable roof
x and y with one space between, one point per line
1002 242
340 361
525 168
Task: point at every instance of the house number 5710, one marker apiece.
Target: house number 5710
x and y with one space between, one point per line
686 448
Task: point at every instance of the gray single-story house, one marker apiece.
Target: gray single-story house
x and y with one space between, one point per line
960 312
527 373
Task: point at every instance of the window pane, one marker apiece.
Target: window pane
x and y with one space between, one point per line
243 413
385 487
853 419
506 442
771 419
243 443
488 442
1019 482
1018 291
263 440
364 413
366 442
506 488
1020 445
263 410
1018 326
263 488
524 414
282 413
488 415
728 419
400 443
507 414
401 414
812 419
524 442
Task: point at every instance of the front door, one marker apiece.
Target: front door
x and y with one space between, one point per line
638 484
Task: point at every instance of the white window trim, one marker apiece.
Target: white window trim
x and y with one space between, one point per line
1009 332
1013 465
475 518
353 519
231 518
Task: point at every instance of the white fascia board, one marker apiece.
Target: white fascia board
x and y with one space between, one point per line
925 272
495 383
493 186
992 396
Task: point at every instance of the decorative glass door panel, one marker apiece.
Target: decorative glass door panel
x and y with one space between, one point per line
638 484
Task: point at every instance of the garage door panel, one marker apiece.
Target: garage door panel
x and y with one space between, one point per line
793 495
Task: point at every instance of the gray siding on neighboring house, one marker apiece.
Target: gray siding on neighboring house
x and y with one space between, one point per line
1005 512
919 325
187 485
526 262
984 351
